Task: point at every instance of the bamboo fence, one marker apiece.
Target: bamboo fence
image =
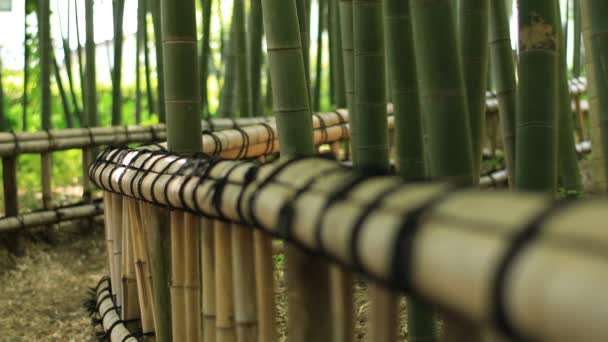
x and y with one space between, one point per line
537 273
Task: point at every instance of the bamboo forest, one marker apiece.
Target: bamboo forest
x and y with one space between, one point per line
304 170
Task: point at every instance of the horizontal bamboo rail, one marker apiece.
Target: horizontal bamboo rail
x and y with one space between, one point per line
48 217
537 273
497 177
12 144
106 310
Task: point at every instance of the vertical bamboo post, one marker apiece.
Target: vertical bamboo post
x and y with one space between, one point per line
90 77
308 276
142 266
224 291
264 270
244 283
156 225
117 288
45 99
11 201
130 307
208 279
192 277
536 157
178 301
109 231
119 8
181 95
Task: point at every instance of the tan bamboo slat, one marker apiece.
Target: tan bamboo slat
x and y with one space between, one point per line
116 226
208 279
264 270
383 313
224 286
342 304
192 277
130 300
178 296
243 267
142 269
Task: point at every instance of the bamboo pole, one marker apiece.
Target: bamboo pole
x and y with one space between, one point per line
264 269
307 277
116 255
595 47
11 201
337 55
130 305
205 54
243 267
536 119
473 36
567 159
208 280
118 11
159 32
178 286
321 25
156 225
255 35
408 133
348 54
224 291
142 268
227 98
192 277
239 44
503 72
90 91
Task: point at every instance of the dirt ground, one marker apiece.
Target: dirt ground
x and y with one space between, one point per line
42 294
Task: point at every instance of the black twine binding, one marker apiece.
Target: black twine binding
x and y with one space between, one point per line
218 143
374 204
322 128
244 150
287 211
409 228
17 147
339 194
218 191
522 239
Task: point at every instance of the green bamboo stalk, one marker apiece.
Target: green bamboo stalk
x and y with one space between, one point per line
307 276
148 69
239 39
536 119
337 60
473 35
348 55
596 47
119 9
182 95
268 101
330 52
370 91
255 56
205 52
67 57
3 122
303 10
227 94
90 79
138 42
62 94
576 54
160 75
503 73
442 94
81 65
316 96
26 72
372 144
45 50
569 173
408 131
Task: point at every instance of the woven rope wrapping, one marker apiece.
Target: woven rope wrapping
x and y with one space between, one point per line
113 327
445 246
